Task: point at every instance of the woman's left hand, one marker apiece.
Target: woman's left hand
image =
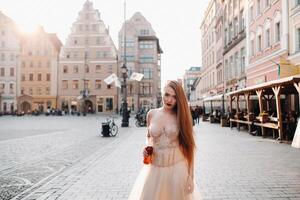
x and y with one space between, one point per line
190 185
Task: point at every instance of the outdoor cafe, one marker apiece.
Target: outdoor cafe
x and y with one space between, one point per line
268 109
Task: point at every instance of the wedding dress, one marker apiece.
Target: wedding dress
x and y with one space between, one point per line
166 178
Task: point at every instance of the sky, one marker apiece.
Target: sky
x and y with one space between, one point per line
176 23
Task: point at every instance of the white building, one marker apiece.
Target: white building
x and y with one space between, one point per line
9 60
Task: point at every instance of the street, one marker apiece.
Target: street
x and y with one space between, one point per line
66 158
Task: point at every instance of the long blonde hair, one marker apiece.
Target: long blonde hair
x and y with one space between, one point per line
184 120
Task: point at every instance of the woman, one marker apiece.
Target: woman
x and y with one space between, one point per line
170 176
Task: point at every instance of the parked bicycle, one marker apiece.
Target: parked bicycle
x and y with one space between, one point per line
141 119
109 128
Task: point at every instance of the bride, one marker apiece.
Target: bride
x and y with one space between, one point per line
170 175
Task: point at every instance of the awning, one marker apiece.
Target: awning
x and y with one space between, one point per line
214 98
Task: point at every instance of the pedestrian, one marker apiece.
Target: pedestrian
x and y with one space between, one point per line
197 113
169 174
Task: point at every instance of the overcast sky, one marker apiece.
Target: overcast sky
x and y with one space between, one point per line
176 23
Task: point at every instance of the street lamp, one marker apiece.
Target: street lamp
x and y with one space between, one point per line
124 89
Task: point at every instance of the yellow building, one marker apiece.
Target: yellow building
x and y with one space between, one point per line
38 71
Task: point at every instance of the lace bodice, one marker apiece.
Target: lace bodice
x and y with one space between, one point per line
164 137
165 144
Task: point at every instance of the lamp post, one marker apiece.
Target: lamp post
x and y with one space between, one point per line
125 119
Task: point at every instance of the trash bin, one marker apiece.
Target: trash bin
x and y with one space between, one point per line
105 129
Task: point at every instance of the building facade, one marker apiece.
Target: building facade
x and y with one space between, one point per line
294 32
143 55
208 84
87 58
267 40
37 90
189 77
9 61
234 52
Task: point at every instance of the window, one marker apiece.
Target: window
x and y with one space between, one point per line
225 36
12 57
86 84
98 84
236 64
251 13
146 45
243 60
47 90
268 43
2 44
23 64
298 2
109 104
298 39
22 90
31 77
2 57
80 27
148 73
236 26
39 77
144 32
23 77
48 64
75 85
252 48
258 7
267 3
75 69
146 59
39 64
277 32
65 84
2 73
98 68
65 70
230 71
31 64
48 77
259 43
30 91
94 27
3 32
12 71
2 86
128 57
145 88
11 88
87 28
87 69
230 33
109 86
242 20
98 40
39 91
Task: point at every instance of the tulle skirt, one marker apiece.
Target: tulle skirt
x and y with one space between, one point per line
163 183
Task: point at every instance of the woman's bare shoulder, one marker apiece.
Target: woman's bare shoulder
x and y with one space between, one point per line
152 112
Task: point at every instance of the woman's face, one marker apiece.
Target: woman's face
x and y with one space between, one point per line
169 98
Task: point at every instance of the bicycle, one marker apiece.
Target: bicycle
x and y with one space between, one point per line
109 128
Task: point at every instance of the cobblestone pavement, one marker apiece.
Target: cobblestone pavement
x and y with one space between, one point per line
73 162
